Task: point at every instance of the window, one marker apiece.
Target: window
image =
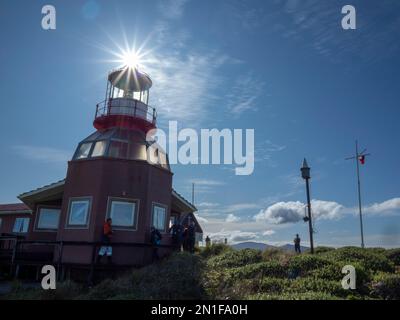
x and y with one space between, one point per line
21 225
123 213
83 151
159 214
137 151
99 148
118 149
48 218
172 220
78 215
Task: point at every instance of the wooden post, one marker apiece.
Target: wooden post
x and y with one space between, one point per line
92 265
13 257
59 264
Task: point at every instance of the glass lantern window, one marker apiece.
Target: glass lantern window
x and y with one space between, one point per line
99 148
118 149
83 151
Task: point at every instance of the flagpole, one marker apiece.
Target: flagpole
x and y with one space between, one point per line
359 196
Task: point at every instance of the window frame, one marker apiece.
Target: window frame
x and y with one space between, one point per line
88 216
27 229
157 204
37 219
111 199
92 143
107 142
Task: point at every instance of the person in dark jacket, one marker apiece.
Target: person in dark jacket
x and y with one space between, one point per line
106 248
208 242
176 231
185 238
155 239
297 244
191 236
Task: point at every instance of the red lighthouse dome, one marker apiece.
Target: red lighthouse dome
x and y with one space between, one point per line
126 103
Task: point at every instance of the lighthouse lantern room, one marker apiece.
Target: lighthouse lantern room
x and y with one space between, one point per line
126 102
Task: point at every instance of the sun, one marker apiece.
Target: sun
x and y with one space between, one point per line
130 59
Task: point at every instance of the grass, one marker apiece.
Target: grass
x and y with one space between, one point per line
219 272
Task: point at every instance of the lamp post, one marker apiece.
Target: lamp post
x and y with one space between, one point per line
305 174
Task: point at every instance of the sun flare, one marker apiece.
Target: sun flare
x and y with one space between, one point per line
131 59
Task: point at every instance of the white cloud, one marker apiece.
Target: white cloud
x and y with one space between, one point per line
172 9
232 218
268 233
282 212
207 182
201 219
43 154
294 211
233 236
185 85
240 207
384 207
244 94
207 205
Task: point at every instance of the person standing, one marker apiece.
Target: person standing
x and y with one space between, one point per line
106 248
297 244
155 239
208 242
176 231
191 236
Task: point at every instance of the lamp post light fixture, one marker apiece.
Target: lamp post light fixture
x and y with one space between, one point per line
305 174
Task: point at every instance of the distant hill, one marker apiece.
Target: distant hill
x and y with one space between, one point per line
263 246
251 245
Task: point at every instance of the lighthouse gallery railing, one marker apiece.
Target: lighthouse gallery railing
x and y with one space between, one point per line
126 107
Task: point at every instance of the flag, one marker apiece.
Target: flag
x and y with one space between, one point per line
362 159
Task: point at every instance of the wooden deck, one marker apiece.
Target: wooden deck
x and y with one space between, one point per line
14 256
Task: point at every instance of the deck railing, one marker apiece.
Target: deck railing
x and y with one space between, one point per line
126 107
16 252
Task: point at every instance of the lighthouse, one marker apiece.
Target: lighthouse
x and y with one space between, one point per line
114 173
110 176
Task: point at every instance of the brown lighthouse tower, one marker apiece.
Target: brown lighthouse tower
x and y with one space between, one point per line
114 173
110 176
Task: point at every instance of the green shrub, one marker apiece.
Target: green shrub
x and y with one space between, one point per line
108 289
274 285
319 250
293 296
235 258
66 290
393 255
277 254
302 285
255 270
333 272
301 265
371 260
214 250
386 286
178 277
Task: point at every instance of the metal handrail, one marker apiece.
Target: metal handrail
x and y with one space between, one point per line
119 106
15 260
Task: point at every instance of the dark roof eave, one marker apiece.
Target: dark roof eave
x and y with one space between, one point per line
189 206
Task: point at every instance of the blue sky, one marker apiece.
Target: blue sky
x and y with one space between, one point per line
283 68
